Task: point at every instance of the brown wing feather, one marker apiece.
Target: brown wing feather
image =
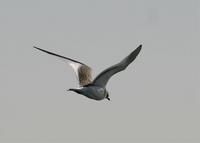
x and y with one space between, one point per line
85 75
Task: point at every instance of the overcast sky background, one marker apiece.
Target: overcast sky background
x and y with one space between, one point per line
156 100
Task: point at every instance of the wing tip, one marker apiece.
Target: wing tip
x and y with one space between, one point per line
36 47
139 47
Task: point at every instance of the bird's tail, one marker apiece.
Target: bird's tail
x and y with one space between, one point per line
74 90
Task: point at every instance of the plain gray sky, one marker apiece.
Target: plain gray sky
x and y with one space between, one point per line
156 100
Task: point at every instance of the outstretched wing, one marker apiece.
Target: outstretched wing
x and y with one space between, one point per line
83 72
103 77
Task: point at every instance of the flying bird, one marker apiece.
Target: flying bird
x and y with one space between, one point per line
95 89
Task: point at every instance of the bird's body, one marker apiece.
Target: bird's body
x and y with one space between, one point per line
92 92
95 89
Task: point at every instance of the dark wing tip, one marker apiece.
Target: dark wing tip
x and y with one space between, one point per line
133 55
39 49
48 52
139 48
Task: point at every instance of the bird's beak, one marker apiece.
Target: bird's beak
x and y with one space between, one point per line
108 98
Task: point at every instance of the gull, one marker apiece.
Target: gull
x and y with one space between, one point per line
95 89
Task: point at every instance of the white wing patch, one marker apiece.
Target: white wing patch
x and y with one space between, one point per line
75 67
